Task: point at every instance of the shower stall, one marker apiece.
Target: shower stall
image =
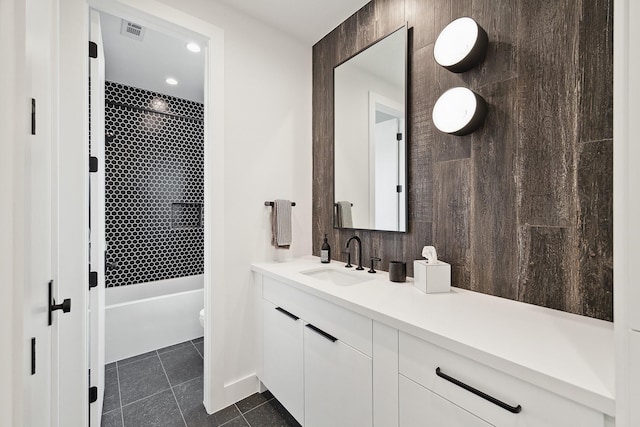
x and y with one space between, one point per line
154 194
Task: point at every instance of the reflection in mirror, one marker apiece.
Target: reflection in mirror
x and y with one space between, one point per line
369 137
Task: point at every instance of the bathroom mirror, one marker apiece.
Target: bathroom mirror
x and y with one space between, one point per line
370 166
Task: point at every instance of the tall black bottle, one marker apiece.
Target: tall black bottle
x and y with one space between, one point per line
325 251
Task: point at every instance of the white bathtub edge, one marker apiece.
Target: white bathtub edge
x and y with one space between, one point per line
140 326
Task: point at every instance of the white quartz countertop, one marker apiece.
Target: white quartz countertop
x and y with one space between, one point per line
567 354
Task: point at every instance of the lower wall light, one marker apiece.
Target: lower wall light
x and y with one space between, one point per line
459 111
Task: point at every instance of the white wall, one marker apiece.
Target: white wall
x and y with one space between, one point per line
267 156
626 208
13 110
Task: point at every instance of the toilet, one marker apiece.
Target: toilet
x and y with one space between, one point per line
202 317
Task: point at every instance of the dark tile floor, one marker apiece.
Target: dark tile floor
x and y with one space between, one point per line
163 388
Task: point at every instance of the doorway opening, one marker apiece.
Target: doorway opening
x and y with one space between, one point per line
387 169
153 141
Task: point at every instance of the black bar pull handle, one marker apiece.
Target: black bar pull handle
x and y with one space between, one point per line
65 306
512 409
322 333
286 313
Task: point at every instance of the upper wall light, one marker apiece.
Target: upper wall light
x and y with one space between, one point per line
171 81
459 111
461 45
193 47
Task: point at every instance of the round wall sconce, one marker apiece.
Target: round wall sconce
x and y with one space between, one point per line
459 111
461 45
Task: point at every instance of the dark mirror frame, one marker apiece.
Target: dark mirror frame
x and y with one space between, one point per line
407 141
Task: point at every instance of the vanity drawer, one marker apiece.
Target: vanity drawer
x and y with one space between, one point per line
349 327
419 361
420 407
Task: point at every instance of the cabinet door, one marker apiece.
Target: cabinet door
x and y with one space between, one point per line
337 383
420 407
282 358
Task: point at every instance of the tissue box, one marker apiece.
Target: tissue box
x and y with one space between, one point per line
432 278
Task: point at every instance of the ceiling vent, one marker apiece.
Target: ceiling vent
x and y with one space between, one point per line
132 30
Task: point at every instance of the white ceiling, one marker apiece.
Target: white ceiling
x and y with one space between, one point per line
147 63
306 20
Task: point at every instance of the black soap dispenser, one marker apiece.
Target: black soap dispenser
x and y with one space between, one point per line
325 251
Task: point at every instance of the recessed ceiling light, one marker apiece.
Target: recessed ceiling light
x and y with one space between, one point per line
193 47
171 81
159 104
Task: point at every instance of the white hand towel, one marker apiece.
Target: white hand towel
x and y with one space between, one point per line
281 224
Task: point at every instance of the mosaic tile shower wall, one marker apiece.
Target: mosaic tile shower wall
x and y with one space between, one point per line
154 186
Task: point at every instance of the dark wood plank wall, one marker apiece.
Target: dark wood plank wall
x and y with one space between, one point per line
522 208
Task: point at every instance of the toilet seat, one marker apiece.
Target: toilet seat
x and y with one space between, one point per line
202 317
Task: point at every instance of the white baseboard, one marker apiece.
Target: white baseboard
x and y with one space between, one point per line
237 390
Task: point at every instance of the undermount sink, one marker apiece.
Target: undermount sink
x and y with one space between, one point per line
341 278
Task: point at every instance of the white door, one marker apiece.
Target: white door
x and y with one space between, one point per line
96 221
71 220
56 393
38 210
386 175
387 164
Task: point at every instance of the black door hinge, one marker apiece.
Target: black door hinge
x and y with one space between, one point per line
93 164
93 394
93 50
398 136
33 356
398 188
33 116
93 279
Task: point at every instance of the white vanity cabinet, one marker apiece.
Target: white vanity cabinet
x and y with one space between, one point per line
382 354
316 358
634 377
481 391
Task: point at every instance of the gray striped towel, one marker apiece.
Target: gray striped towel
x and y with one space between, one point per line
345 219
281 224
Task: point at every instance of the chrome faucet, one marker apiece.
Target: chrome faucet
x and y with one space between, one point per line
357 239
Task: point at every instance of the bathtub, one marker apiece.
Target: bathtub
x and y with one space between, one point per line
144 317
